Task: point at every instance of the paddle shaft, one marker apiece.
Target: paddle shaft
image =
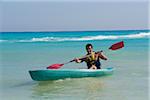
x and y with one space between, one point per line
81 58
115 46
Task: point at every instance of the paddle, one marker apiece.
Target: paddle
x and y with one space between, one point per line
115 46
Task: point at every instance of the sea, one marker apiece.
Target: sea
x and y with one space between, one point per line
24 51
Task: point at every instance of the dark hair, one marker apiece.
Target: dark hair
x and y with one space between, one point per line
89 45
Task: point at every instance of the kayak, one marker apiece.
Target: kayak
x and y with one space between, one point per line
55 74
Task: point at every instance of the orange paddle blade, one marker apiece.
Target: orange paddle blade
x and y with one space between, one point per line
55 66
117 45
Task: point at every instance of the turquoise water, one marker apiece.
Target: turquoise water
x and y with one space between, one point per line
24 51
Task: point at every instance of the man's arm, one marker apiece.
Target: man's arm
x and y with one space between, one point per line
79 60
102 56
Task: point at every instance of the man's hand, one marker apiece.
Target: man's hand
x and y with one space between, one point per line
77 60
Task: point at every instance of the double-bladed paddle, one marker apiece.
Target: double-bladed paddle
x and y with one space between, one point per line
115 46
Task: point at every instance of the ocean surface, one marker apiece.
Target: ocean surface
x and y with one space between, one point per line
24 51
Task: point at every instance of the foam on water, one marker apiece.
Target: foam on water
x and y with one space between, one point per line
83 38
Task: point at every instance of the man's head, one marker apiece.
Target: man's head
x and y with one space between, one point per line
89 48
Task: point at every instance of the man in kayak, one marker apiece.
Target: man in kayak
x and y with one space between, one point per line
92 58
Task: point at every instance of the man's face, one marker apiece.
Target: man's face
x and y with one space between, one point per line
89 49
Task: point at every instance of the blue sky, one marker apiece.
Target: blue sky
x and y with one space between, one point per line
71 15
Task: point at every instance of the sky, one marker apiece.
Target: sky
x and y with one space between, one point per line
73 15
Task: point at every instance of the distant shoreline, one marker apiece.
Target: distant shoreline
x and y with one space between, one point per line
76 31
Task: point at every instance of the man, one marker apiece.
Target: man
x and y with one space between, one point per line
92 58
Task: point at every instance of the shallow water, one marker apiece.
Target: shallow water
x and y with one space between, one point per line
128 82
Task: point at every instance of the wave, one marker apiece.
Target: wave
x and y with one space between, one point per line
85 38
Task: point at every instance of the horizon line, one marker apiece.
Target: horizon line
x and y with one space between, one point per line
79 30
